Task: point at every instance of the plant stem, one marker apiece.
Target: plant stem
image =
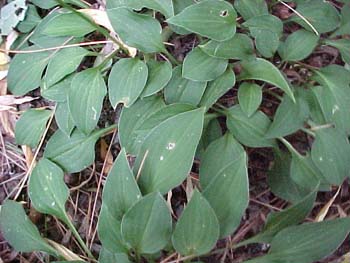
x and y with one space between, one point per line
290 147
171 57
77 236
108 58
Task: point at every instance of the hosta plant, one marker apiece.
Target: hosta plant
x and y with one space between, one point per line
173 112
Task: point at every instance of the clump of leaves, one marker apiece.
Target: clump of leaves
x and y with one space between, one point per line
170 115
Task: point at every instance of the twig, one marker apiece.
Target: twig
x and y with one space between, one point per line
54 48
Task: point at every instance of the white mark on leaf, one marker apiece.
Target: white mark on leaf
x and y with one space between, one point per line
53 203
161 158
335 109
170 146
95 113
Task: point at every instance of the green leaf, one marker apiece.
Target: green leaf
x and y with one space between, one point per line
249 131
280 181
26 70
305 173
31 20
159 74
198 66
168 152
63 63
298 45
219 154
217 88
290 117
307 243
343 45
331 154
131 119
64 118
267 30
179 6
213 19
239 47
249 97
73 153
140 31
334 99
67 23
163 6
277 221
120 193
197 230
57 92
147 226
19 231
344 27
211 132
314 12
31 126
126 81
89 87
107 256
230 180
180 89
47 189
251 8
261 69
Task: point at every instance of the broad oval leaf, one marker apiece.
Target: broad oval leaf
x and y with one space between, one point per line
167 153
219 154
197 230
120 192
290 117
63 63
64 118
73 153
31 126
218 88
280 181
331 153
298 45
68 24
126 81
249 97
137 30
198 66
147 225
180 89
239 47
58 92
213 19
249 131
159 74
314 12
261 69
19 231
231 181
251 8
85 99
26 70
131 119
107 256
47 189
307 243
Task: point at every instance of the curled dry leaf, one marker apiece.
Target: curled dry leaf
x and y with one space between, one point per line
100 17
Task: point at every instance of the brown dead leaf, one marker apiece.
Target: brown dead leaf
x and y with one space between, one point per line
7 118
28 154
324 211
107 156
100 17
